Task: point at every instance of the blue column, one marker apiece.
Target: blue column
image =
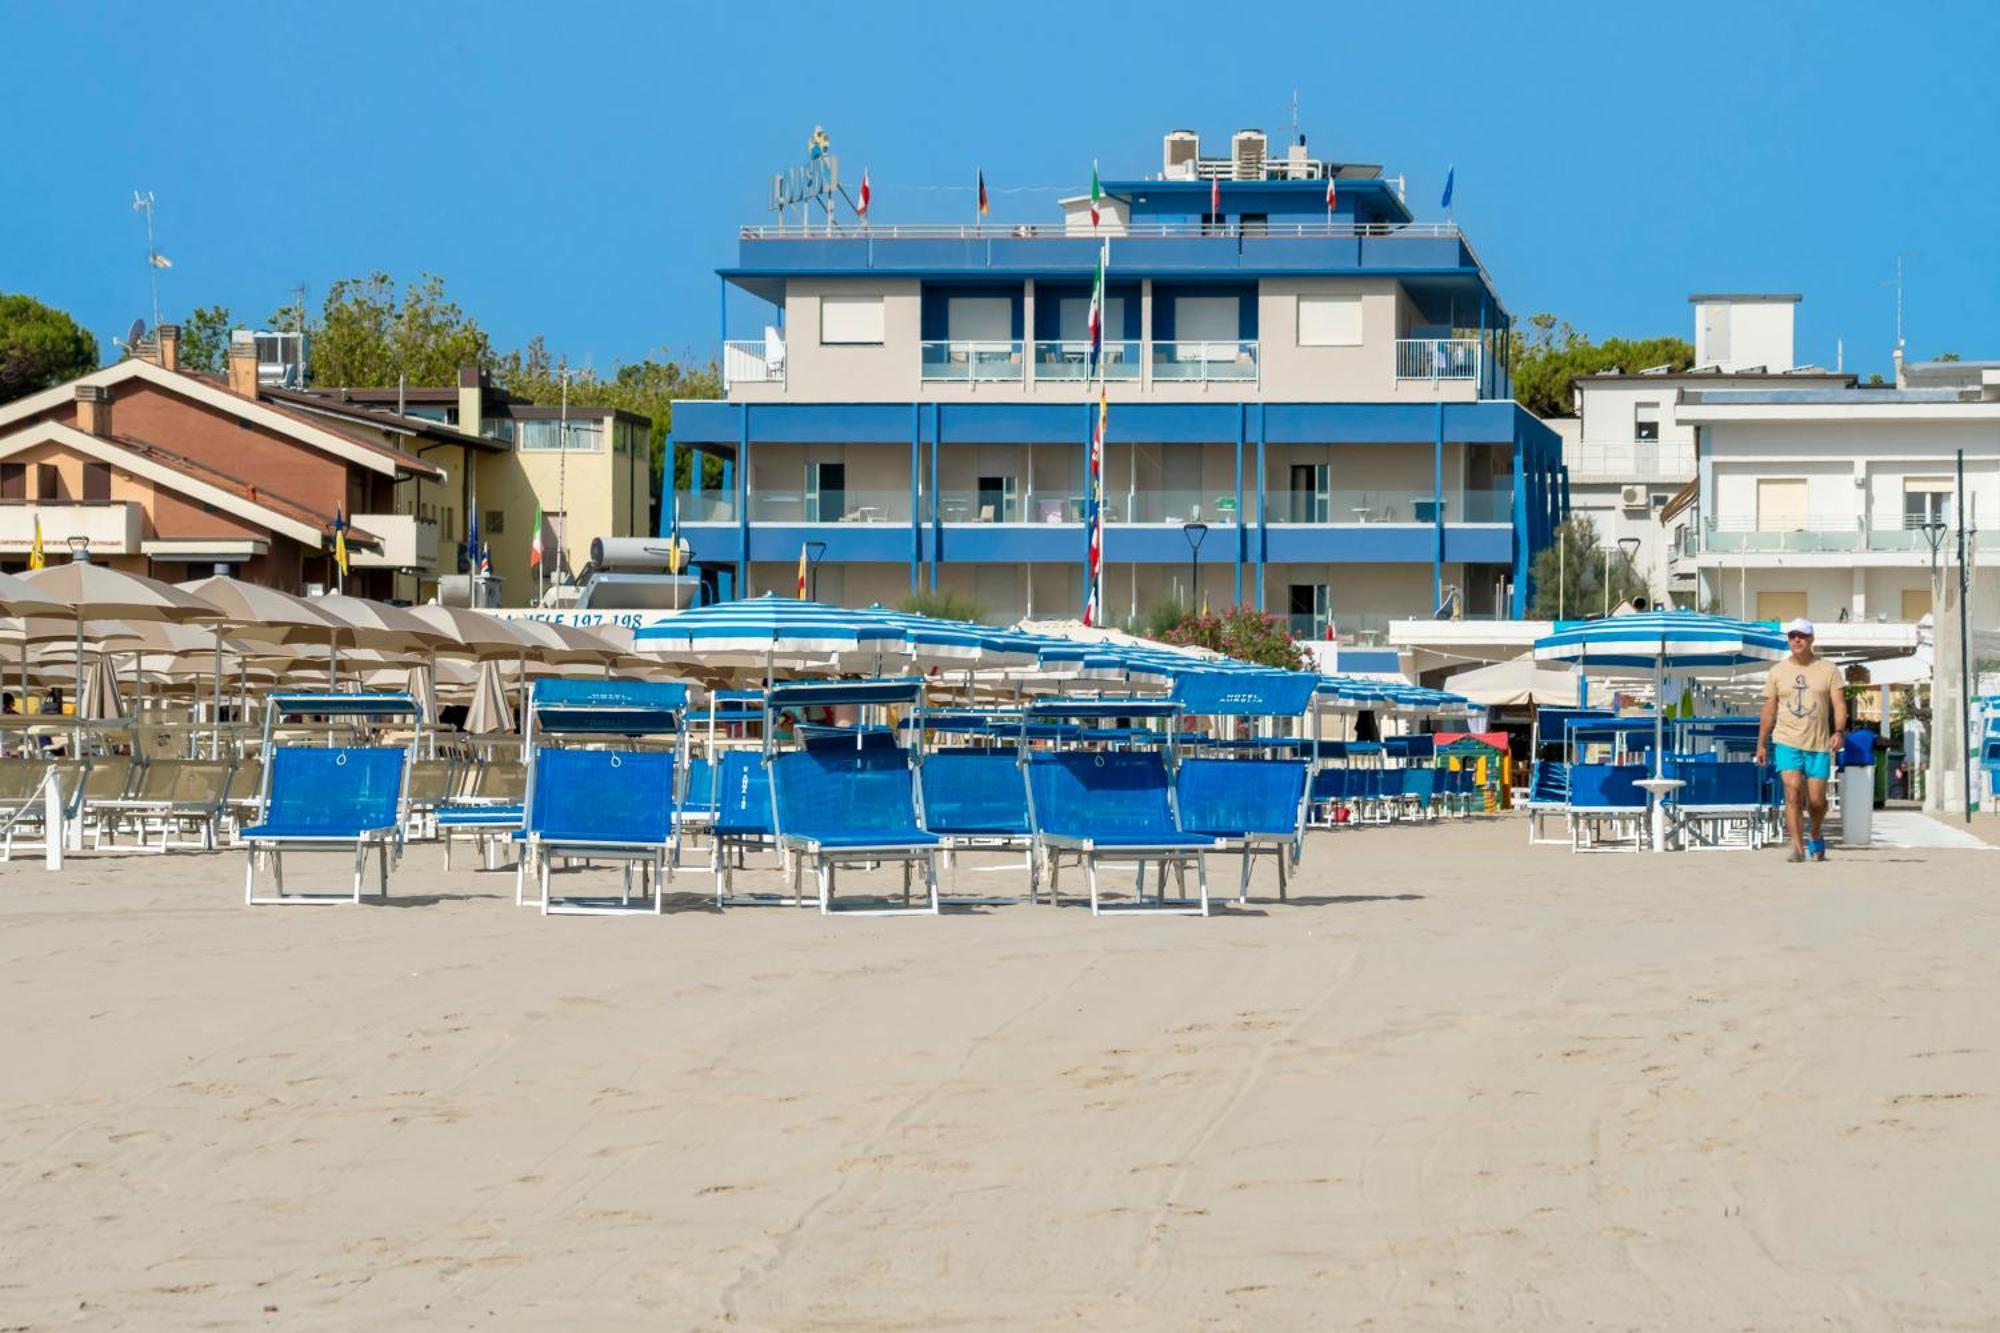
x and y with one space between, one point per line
1485 356
937 526
1523 547
1242 410
742 499
1263 502
1437 511
916 511
670 494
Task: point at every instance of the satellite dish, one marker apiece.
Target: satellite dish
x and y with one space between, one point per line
135 333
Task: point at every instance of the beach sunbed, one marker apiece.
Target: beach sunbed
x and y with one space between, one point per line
1116 807
1251 807
849 804
1607 812
600 805
976 799
331 799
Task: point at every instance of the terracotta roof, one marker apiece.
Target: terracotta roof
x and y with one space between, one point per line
200 471
319 403
403 459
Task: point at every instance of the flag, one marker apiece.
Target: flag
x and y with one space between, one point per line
37 557
1093 608
802 571
861 208
982 194
158 260
1215 197
1450 178
485 562
472 543
535 546
1097 314
1096 193
340 538
1329 196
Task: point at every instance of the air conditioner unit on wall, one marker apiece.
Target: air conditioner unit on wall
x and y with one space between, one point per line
1632 497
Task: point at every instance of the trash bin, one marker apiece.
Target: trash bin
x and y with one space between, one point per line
1856 762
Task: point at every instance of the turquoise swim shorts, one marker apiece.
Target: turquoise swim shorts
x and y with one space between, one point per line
1814 764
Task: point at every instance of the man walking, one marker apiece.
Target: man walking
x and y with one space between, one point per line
1805 721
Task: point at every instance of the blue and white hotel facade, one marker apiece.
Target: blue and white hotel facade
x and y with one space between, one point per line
1322 405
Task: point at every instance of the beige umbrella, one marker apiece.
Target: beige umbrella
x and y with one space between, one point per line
484 637
98 592
370 624
18 597
261 613
100 700
489 711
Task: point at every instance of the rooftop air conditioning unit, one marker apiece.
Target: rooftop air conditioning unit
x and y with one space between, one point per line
1632 497
1247 150
1183 151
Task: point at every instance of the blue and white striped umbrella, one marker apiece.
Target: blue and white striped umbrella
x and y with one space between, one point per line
771 632
1674 640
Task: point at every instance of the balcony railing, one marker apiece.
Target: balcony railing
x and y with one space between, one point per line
847 505
706 506
1667 461
995 231
1378 505
972 361
1068 360
1437 358
757 361
1829 534
408 542
1205 362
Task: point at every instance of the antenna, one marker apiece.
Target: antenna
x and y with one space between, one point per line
155 261
135 333
1901 255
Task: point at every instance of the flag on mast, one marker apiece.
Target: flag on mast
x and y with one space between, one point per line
535 546
1450 178
1096 194
861 207
1215 199
1330 194
982 193
1097 313
802 571
340 538
485 562
1093 604
37 557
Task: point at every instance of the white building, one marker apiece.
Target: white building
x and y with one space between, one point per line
1823 502
1628 450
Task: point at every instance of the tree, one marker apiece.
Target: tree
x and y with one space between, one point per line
366 336
1570 574
1548 354
1244 633
943 605
205 339
40 347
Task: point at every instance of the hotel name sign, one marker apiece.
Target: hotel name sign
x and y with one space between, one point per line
812 181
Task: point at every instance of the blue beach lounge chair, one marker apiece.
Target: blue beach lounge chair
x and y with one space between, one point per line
1252 807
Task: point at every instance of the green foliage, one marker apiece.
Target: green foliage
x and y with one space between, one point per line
40 347
366 335
646 387
1569 574
943 605
205 339
1160 619
1947 356
1548 354
1244 633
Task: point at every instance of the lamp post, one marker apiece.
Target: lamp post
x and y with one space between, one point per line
1933 530
815 552
1195 533
1629 547
79 554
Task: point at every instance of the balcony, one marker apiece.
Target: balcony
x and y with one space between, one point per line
706 506
1831 535
827 506
1378 505
972 362
757 361
1437 358
1641 460
1070 361
1205 362
114 527
408 542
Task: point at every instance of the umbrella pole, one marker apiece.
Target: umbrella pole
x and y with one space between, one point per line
215 701
332 656
76 700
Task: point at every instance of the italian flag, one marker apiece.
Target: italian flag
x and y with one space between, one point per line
1097 313
1096 194
535 547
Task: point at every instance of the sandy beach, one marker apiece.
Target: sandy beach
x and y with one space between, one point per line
1456 1083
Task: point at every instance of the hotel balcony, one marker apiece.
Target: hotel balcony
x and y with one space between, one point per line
408 542
1421 506
113 527
1832 535
1069 361
1437 358
1640 460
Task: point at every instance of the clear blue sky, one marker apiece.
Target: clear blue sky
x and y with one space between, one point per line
578 170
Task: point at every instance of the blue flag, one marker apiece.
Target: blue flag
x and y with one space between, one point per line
472 547
1450 175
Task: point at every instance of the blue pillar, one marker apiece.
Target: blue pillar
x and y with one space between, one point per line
937 526
1485 355
721 319
1242 410
742 499
916 510
1523 552
1262 547
1437 511
670 494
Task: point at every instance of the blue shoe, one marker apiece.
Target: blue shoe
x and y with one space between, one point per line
1816 849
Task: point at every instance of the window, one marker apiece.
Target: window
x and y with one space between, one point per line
97 481
850 319
1781 504
1646 421
13 481
581 437
1781 606
994 500
496 522
48 482
1926 500
826 492
1329 321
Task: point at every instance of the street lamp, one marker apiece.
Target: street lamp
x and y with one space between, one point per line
1629 548
79 550
815 552
1195 533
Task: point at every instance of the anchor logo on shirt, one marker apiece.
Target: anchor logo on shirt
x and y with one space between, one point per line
1798 704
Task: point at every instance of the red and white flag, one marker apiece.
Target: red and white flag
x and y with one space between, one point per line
1215 197
1329 196
861 208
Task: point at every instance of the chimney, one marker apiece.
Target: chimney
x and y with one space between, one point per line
243 366
93 409
1896 358
170 346
471 397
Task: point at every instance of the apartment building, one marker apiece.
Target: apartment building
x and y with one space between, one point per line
1627 450
1827 503
1309 406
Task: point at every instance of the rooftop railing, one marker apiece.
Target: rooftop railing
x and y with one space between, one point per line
972 360
1641 458
1205 362
1437 358
1070 360
755 361
1066 232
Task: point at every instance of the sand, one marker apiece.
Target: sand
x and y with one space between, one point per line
1456 1084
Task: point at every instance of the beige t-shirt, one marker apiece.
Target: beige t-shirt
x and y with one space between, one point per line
1805 703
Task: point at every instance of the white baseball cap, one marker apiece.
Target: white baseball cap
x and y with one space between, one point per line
1799 625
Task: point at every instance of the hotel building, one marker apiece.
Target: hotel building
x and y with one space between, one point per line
1309 407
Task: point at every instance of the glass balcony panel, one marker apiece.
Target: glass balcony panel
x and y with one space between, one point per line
972 362
706 506
1205 361
1070 361
850 505
1217 509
